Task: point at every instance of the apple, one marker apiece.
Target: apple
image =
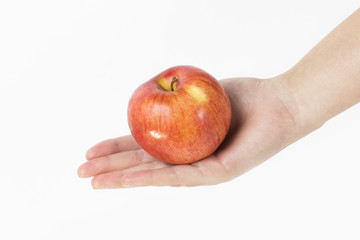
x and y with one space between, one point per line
180 116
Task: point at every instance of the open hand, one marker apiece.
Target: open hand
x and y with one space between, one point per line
263 122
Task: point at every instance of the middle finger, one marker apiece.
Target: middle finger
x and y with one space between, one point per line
113 162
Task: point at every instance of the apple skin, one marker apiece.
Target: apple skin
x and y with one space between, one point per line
184 125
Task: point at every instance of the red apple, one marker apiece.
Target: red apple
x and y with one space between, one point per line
180 116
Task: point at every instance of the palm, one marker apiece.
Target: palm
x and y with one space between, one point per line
261 126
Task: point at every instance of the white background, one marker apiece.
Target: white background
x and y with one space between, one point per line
67 70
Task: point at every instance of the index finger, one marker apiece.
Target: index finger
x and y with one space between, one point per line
111 146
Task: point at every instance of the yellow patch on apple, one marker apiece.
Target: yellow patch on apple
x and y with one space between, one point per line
196 93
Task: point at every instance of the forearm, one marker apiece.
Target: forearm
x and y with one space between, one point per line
327 80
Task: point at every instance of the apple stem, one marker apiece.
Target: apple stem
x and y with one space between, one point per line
174 80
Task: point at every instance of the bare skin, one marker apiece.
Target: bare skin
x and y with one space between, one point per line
268 115
258 114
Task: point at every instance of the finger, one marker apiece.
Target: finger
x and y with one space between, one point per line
175 176
114 179
113 162
146 166
208 171
110 146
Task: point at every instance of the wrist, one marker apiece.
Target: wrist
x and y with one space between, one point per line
294 98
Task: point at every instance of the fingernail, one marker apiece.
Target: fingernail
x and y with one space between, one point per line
80 172
95 185
90 154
